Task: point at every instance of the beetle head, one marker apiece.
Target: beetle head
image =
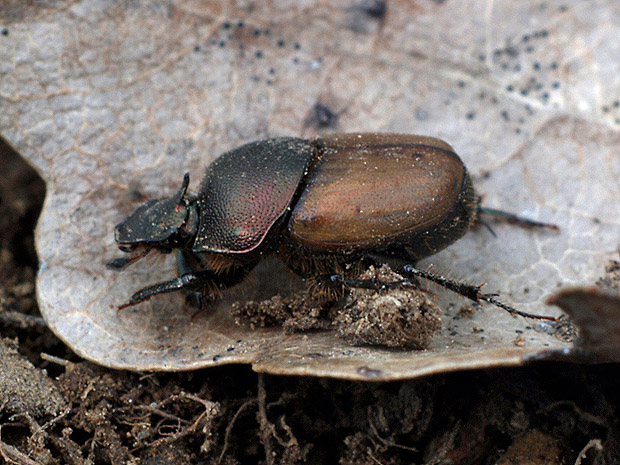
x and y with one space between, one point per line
162 223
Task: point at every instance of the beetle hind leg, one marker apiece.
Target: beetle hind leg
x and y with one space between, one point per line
468 291
512 218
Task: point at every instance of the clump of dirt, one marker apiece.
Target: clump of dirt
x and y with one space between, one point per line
384 310
400 316
295 313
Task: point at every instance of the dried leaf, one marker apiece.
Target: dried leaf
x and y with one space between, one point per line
597 315
114 102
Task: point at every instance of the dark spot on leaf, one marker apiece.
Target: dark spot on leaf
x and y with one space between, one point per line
374 8
511 51
322 116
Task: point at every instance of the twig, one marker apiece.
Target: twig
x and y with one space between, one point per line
21 320
266 428
230 425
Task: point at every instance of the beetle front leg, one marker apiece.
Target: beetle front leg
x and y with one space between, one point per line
193 298
185 281
202 283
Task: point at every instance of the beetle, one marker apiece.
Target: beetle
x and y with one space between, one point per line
328 207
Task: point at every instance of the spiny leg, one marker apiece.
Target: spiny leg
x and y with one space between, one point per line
469 291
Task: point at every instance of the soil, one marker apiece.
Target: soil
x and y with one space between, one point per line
56 408
405 317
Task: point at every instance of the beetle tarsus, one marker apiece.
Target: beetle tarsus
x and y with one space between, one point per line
513 311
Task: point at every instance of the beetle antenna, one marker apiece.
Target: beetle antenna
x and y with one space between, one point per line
512 218
471 292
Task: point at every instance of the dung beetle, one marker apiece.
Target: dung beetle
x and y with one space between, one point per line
328 207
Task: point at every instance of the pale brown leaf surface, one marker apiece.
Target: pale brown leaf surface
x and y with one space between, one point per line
113 100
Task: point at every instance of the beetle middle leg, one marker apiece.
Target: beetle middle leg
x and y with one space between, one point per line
375 284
